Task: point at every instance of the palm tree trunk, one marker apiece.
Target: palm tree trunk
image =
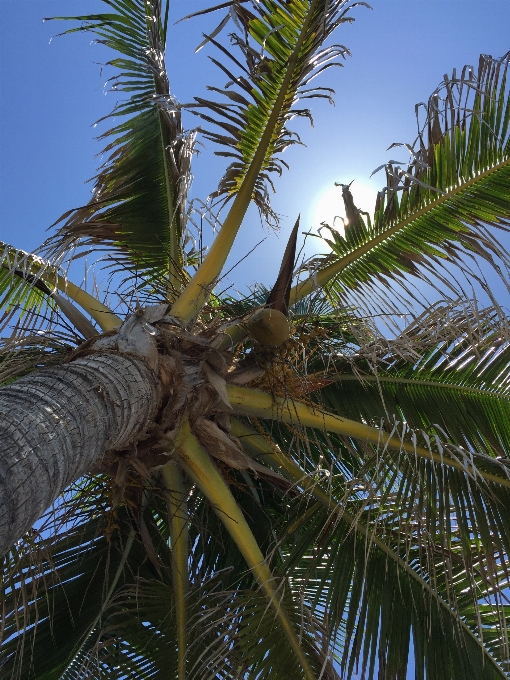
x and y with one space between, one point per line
56 424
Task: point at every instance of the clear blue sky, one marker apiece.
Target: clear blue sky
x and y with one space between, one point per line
51 93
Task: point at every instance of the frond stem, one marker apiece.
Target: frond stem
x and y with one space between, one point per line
413 381
178 522
204 473
250 402
14 261
173 247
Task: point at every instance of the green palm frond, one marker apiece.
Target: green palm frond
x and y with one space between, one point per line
416 517
292 38
441 206
138 205
281 49
446 374
22 286
462 406
40 600
132 633
404 561
230 628
237 635
35 292
382 601
30 295
394 563
55 583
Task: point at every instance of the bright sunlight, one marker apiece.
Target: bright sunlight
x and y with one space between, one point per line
329 207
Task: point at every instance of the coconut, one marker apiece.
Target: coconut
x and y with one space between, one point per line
269 327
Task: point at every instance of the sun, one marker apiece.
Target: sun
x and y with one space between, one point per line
329 206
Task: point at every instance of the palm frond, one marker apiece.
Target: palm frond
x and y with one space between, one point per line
58 580
230 631
293 35
415 558
280 51
44 580
29 286
22 287
231 634
415 528
381 598
446 374
444 205
138 205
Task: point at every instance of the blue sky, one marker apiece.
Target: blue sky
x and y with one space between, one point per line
52 92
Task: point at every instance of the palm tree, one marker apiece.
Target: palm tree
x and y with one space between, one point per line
275 485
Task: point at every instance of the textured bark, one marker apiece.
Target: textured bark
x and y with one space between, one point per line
56 424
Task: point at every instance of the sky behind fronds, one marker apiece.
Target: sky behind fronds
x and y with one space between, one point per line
52 92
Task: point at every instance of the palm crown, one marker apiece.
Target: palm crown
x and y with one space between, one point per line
283 490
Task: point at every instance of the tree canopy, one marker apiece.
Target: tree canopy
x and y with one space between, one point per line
323 488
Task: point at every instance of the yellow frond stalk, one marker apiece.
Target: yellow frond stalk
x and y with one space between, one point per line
204 473
35 266
252 402
189 303
175 492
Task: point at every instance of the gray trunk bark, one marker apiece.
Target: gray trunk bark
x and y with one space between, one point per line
56 424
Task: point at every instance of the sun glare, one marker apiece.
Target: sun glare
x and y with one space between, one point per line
329 207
